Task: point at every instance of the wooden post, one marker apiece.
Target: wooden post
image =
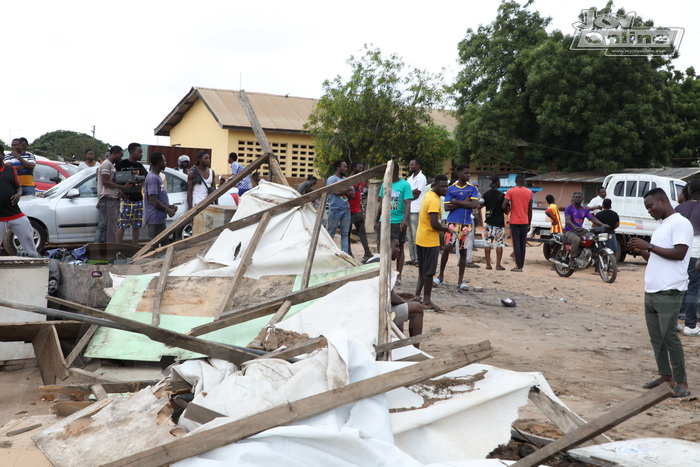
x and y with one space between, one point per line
385 263
189 215
314 242
244 263
272 162
274 210
49 356
266 308
160 286
80 345
597 426
292 411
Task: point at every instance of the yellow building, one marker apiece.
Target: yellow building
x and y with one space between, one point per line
214 118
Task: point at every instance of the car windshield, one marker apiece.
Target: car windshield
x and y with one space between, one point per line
70 169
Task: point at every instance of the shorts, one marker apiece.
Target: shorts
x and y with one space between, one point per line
396 232
131 215
460 235
427 259
494 236
400 312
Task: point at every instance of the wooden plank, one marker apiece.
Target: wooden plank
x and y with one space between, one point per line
201 206
228 433
383 336
403 342
597 426
281 313
66 408
274 210
114 387
99 392
561 416
243 264
19 431
233 354
91 376
297 349
272 163
49 356
160 286
306 276
200 414
27 332
80 345
265 308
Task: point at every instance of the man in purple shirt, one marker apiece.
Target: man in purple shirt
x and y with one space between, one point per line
575 214
157 207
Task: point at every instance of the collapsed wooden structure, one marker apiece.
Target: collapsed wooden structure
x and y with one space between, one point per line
55 367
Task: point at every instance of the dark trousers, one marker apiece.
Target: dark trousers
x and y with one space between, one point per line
690 302
661 313
358 220
519 233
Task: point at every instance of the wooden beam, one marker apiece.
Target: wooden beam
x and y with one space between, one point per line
281 313
99 392
265 308
27 332
297 349
114 387
272 163
196 444
80 345
233 354
243 264
314 242
49 356
561 416
274 210
189 215
160 286
403 342
385 263
597 426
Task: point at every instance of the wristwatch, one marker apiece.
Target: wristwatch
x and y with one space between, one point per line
650 248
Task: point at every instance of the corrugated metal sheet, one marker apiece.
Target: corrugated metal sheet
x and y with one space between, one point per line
683 173
275 112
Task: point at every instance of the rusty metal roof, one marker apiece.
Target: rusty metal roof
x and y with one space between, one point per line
683 173
276 113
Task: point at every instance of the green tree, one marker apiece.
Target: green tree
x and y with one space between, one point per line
685 139
380 113
525 97
68 145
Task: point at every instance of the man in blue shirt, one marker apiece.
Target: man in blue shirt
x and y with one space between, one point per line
245 184
157 207
460 199
339 208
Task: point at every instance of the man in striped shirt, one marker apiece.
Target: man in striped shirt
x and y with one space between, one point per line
24 163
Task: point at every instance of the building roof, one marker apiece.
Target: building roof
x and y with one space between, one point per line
275 112
683 173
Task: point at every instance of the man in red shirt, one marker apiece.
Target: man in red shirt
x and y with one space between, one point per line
357 215
11 217
518 204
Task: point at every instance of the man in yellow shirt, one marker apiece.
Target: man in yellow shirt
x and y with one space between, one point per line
428 240
553 213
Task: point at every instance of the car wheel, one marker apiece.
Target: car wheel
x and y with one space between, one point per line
11 242
185 231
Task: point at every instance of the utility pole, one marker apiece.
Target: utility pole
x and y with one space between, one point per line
93 131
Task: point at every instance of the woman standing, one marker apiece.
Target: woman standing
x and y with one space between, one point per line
200 179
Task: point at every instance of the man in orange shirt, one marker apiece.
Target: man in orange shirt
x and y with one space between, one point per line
518 203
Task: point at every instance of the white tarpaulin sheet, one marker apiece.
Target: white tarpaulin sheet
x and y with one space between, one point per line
643 452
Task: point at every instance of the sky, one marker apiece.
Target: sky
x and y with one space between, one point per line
123 66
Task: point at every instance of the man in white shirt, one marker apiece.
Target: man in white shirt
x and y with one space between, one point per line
418 183
597 202
665 283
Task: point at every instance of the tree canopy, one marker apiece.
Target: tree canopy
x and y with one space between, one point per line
68 145
381 112
523 96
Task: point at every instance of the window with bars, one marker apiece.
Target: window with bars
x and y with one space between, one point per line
296 160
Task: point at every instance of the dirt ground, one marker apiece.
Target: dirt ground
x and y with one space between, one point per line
587 338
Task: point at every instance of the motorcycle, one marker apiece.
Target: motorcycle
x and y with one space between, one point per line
592 252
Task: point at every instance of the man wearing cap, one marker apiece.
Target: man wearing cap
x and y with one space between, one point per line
183 164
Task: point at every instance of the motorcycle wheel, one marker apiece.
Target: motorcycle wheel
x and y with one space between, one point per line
607 267
562 257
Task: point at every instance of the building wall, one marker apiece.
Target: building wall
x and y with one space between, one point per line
295 151
199 129
562 192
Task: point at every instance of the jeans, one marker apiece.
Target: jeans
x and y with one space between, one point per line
100 231
340 217
28 191
690 302
519 233
109 208
411 235
358 220
661 312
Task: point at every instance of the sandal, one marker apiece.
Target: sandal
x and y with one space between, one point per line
655 383
433 307
500 268
679 392
463 287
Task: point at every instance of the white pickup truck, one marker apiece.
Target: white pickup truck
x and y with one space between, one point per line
626 191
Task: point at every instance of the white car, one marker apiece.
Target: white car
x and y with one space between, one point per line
67 213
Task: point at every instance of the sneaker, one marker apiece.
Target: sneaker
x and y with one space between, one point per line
691 331
679 327
463 286
436 282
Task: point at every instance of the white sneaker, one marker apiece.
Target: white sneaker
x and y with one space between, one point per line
679 327
691 331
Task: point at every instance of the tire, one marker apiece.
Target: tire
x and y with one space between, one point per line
607 268
622 255
184 232
546 250
11 243
563 271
